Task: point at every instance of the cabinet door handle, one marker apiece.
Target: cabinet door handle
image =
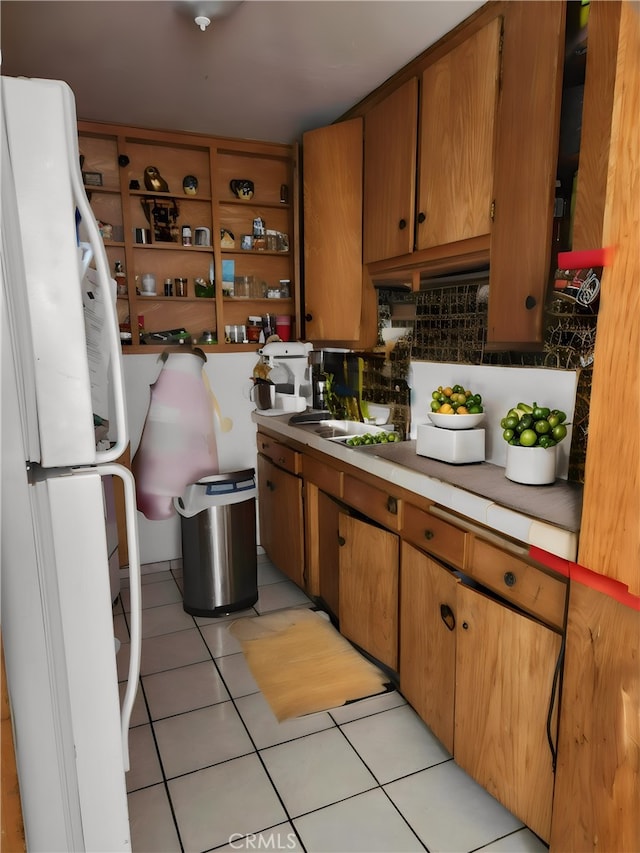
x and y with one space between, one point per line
341 541
421 217
392 505
510 579
530 302
402 224
465 625
270 485
429 534
446 614
308 317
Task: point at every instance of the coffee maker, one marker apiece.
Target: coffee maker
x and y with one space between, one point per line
289 371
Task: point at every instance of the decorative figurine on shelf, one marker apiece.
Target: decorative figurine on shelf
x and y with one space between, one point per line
242 188
153 180
190 185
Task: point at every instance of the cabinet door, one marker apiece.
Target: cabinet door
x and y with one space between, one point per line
526 159
281 520
369 588
390 140
428 640
504 674
457 119
332 184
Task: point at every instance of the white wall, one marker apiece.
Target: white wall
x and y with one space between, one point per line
230 377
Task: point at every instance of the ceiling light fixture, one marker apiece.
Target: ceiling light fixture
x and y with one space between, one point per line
202 21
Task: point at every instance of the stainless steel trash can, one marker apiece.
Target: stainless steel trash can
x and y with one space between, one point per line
218 525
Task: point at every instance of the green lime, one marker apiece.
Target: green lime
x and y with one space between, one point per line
559 432
508 434
528 437
511 422
475 410
542 427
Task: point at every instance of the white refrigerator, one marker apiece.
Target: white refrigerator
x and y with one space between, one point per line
61 367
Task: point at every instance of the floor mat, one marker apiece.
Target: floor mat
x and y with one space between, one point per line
302 664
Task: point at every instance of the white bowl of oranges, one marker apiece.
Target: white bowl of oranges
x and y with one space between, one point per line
456 408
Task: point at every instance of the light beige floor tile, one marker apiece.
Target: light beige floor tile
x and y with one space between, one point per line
151 822
268 573
365 707
316 771
237 675
186 688
154 594
208 736
218 639
265 729
168 651
221 803
521 841
394 743
276 596
368 823
143 759
165 620
448 811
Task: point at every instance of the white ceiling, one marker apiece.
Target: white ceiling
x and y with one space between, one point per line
270 69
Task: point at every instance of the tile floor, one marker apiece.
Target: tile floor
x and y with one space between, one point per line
212 769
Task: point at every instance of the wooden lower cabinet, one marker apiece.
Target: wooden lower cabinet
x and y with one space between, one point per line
428 640
369 588
505 666
281 518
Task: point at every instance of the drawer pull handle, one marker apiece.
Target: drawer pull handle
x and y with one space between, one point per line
446 614
282 460
392 505
429 534
510 578
270 485
341 541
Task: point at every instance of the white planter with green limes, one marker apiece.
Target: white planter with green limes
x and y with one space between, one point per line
532 434
534 466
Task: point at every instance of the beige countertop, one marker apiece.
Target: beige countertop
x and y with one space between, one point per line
547 517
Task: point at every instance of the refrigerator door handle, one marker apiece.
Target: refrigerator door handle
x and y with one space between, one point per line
102 269
135 645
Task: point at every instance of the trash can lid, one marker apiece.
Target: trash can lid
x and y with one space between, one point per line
229 476
217 490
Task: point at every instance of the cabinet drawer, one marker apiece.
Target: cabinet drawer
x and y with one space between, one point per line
374 503
434 535
279 454
526 586
321 475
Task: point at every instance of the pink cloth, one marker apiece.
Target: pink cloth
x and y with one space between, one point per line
178 444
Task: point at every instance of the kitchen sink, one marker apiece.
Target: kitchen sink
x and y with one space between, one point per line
335 430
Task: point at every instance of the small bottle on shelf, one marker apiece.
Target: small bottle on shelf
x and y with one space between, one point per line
121 278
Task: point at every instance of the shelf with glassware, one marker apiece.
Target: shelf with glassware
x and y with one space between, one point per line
163 184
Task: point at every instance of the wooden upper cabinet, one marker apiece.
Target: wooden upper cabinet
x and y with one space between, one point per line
524 182
457 120
390 138
332 198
